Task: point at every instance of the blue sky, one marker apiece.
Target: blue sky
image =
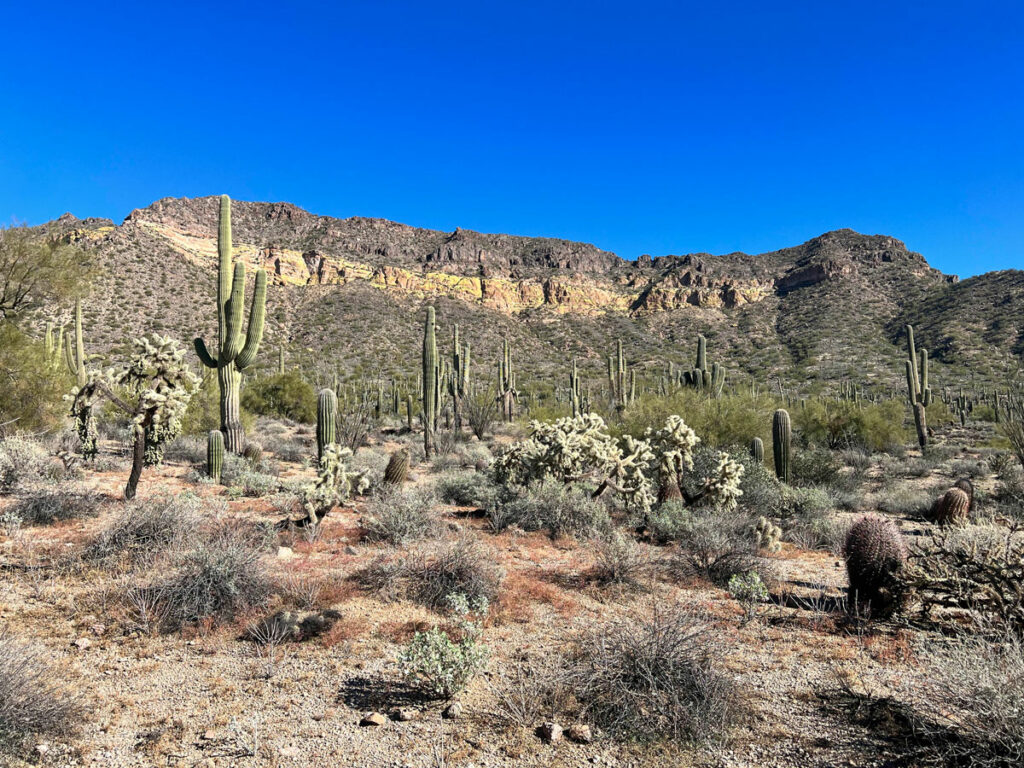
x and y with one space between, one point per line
641 127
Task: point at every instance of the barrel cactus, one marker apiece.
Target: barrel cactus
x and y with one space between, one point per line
952 508
397 470
875 556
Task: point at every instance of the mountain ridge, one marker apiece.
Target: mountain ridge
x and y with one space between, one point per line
833 305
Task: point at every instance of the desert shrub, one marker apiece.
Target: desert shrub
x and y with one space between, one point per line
814 466
749 591
467 489
714 545
618 560
969 712
431 573
220 576
33 698
875 560
242 480
23 462
905 501
805 518
187 449
762 492
973 469
845 424
979 569
732 419
354 425
146 529
401 516
286 395
442 666
551 506
45 506
480 411
31 398
653 679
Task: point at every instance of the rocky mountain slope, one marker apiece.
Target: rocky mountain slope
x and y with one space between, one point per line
346 295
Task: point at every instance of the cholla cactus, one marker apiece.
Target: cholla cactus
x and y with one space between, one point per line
724 488
768 535
161 385
571 449
334 484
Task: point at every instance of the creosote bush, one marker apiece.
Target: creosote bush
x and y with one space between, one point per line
653 679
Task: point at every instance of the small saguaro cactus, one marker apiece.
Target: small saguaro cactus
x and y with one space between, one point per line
430 381
234 352
575 401
757 450
54 345
702 377
782 436
326 421
215 454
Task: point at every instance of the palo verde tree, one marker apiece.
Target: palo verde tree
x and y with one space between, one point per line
153 390
234 352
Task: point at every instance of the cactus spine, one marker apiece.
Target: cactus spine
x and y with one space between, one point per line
782 436
326 421
215 454
235 352
430 381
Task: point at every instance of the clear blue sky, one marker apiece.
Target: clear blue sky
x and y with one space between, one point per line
641 127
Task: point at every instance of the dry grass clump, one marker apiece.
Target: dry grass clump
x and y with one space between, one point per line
45 506
146 529
401 517
431 573
652 679
33 700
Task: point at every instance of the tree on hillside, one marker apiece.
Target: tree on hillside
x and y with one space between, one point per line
36 270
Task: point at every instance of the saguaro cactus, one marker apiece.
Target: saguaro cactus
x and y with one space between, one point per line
75 359
781 438
458 381
234 352
430 376
326 421
575 401
215 454
918 390
757 450
507 393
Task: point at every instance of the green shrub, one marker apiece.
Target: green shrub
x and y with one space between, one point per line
441 666
401 517
467 489
551 506
730 420
286 395
845 424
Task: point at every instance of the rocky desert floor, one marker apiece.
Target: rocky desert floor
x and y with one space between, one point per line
809 675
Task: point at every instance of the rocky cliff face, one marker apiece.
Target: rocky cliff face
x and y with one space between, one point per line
501 272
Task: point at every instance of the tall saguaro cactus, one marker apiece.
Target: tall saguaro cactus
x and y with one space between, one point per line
918 391
507 393
234 352
458 382
430 370
75 359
